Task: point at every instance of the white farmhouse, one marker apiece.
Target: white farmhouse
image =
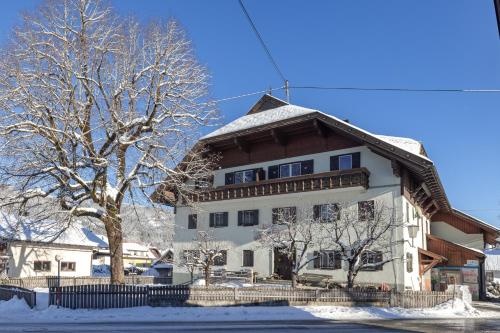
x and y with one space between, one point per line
285 157
30 249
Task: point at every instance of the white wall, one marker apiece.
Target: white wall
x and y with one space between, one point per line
383 187
447 232
22 257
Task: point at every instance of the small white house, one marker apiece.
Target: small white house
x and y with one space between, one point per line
29 249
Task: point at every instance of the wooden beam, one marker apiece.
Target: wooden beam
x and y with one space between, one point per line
242 144
396 168
320 129
278 137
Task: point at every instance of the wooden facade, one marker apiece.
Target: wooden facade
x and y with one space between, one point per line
455 254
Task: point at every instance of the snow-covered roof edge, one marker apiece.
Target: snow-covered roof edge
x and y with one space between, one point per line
487 225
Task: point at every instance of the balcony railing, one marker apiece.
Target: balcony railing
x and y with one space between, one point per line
313 182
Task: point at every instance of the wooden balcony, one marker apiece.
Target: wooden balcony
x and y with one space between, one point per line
313 182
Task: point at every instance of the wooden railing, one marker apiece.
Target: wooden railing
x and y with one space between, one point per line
113 296
8 292
51 281
306 183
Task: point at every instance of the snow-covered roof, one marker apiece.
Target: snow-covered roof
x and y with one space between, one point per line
481 222
12 228
130 246
290 111
261 118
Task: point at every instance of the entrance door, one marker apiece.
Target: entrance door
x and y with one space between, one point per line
282 265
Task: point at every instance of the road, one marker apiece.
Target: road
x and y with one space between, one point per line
420 325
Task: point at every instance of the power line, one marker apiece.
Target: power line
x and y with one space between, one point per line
246 95
266 49
398 89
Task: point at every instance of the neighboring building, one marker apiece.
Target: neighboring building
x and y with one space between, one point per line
134 254
30 249
281 155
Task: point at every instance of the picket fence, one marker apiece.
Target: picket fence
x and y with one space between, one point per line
51 281
8 292
119 296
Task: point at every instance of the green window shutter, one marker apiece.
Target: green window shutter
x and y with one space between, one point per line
212 220
356 160
240 217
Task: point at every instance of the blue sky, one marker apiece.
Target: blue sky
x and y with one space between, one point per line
365 43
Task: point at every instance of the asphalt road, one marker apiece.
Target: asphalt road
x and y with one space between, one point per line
417 325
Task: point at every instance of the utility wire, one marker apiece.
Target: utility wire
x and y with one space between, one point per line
266 49
247 94
397 89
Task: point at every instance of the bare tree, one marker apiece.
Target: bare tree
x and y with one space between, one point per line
362 234
96 110
189 260
292 235
203 254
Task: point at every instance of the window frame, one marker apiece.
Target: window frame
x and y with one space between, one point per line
245 263
244 174
332 211
363 214
217 259
252 215
68 263
340 161
276 212
42 265
409 262
219 220
371 256
193 221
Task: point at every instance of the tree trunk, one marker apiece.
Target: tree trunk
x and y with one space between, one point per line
294 279
115 242
350 276
191 273
207 275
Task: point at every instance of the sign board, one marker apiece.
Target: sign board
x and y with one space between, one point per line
470 275
472 263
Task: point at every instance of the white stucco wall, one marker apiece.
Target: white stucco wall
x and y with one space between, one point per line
384 187
23 255
447 232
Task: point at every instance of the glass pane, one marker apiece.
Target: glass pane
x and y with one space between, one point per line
296 169
285 170
238 177
249 176
345 162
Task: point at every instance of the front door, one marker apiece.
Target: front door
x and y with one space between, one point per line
282 265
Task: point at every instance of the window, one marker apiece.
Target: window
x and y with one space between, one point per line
3 264
218 220
284 215
68 266
221 259
291 169
371 258
409 262
245 176
192 221
326 213
345 162
190 255
248 217
247 258
41 266
328 259
366 210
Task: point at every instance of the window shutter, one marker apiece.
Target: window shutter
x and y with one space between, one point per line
356 160
316 210
275 215
273 171
192 221
240 217
212 220
338 260
229 178
334 163
225 219
307 167
256 217
316 259
261 174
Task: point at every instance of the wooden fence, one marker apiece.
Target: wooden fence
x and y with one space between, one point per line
112 296
8 292
51 281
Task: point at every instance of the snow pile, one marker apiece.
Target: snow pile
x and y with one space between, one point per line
101 270
15 305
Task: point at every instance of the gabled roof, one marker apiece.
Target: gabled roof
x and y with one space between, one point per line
402 150
46 231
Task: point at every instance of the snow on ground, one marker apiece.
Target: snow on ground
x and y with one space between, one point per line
17 310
